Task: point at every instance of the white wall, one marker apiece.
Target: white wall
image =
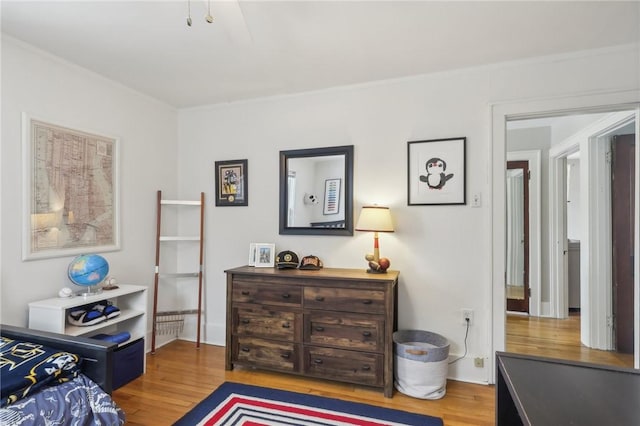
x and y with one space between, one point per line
573 199
378 120
443 252
48 88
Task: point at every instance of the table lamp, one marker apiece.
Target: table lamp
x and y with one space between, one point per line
375 219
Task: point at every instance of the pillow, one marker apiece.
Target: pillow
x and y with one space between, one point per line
26 367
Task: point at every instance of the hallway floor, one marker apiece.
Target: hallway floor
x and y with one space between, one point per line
556 338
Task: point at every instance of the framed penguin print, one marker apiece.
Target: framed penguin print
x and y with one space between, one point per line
436 172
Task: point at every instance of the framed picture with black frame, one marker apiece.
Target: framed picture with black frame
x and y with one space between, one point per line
232 183
436 172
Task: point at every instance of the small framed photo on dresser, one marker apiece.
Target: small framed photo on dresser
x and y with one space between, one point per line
265 255
252 254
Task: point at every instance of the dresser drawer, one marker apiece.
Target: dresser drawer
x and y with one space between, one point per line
349 366
347 331
282 295
267 354
263 321
347 300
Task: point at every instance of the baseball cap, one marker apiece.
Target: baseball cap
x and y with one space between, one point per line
311 262
286 259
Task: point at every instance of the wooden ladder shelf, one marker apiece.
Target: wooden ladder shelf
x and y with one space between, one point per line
173 321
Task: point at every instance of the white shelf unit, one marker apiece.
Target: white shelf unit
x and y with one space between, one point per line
51 314
169 318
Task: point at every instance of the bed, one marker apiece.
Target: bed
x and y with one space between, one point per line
68 379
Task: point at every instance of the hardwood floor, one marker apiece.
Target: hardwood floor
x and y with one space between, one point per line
179 376
556 338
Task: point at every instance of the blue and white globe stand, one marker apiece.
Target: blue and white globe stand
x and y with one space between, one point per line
88 270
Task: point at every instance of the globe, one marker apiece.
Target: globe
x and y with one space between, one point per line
88 269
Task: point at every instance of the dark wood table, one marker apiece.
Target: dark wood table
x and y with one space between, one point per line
541 391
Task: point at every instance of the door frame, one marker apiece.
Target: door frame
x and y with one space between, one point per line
596 326
535 268
500 113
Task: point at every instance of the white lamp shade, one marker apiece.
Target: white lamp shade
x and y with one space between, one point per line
375 219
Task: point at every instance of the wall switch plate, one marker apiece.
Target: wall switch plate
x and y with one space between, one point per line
476 200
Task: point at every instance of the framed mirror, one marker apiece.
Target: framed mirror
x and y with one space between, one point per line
316 191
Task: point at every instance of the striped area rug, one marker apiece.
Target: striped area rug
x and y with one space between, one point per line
244 405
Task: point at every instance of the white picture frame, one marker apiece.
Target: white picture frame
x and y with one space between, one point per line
332 196
436 172
265 255
252 254
65 210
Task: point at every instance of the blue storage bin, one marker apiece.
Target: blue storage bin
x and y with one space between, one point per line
128 363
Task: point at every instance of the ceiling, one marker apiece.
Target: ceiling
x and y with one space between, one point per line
264 48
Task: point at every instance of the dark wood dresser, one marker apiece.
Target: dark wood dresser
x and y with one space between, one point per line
334 324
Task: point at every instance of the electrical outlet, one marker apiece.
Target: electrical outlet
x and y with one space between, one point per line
478 362
467 316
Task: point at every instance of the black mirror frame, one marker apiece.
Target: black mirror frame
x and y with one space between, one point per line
347 151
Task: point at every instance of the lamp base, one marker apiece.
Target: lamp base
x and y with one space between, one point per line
376 271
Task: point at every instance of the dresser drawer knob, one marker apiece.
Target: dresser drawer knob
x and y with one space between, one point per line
245 292
367 302
317 361
366 333
318 328
366 368
286 296
286 325
286 356
320 298
245 321
245 349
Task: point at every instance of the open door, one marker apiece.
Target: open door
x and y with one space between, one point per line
518 290
622 221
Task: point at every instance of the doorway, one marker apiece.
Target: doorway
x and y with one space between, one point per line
518 290
557 307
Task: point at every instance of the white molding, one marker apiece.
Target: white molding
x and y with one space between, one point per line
636 271
533 157
558 262
595 244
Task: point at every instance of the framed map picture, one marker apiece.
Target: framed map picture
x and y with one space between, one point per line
70 200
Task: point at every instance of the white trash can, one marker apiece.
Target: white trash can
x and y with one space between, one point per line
421 363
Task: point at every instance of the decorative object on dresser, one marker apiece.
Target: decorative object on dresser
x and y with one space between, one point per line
51 315
330 323
237 403
375 219
287 260
265 255
169 318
